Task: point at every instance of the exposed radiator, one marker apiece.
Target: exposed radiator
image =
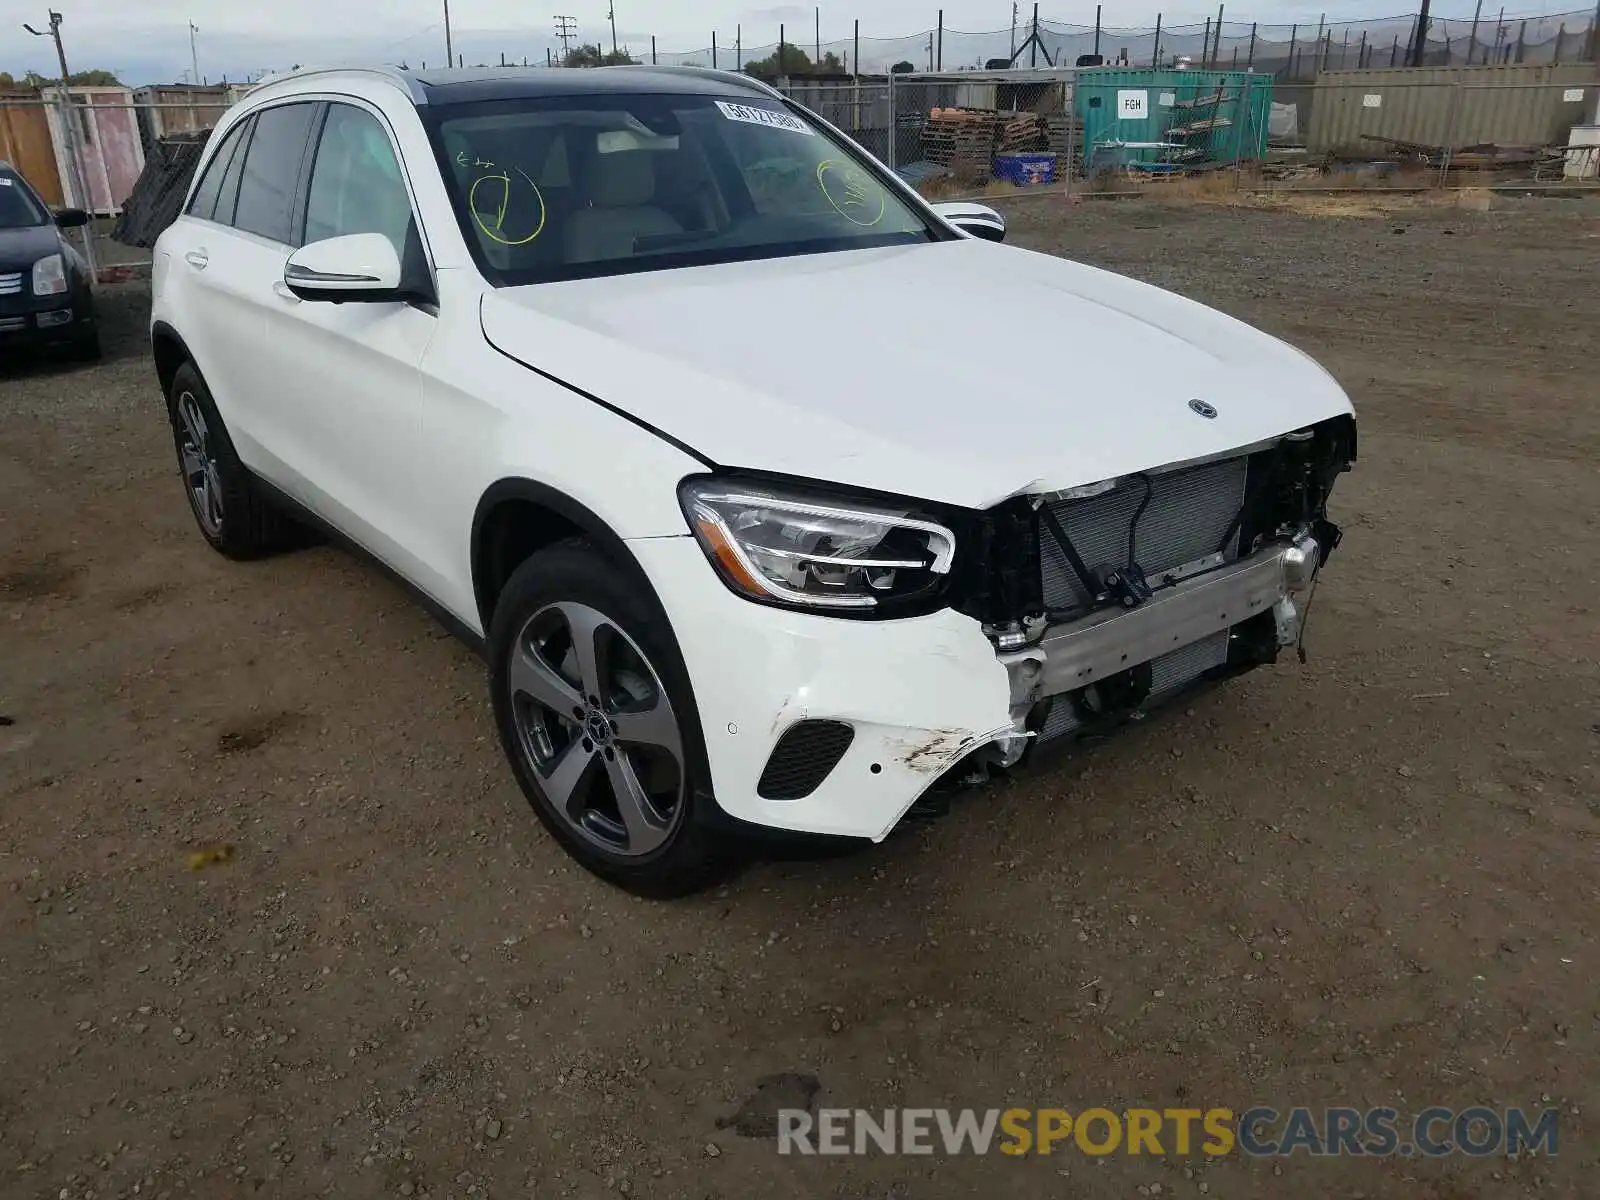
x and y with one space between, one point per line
1188 514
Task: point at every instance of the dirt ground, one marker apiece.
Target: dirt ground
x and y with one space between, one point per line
1369 880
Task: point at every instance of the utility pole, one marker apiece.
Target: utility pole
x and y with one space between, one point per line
80 179
194 68
816 33
566 30
449 50
611 15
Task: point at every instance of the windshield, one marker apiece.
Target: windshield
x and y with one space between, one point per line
574 186
18 208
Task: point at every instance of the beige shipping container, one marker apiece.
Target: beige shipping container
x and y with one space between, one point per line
1512 105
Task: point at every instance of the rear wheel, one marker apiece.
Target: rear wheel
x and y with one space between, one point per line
227 504
595 714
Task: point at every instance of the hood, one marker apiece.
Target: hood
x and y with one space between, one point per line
21 248
962 371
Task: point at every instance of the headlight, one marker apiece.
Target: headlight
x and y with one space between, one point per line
814 551
49 276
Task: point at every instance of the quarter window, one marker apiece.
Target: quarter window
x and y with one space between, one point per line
204 203
356 182
272 172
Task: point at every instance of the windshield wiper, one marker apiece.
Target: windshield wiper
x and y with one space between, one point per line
650 243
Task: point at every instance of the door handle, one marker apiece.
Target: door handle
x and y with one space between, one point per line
197 259
282 289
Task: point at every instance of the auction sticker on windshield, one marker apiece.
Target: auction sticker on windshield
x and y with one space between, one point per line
763 116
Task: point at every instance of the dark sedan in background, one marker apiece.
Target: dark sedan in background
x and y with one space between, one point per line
45 296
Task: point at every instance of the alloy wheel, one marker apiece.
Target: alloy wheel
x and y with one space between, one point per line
200 471
594 724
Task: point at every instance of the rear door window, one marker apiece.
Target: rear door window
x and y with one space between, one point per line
271 175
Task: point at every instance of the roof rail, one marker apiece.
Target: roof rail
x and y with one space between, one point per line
402 80
735 78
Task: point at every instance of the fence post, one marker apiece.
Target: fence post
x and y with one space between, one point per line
1072 126
1244 128
1561 33
1097 28
713 49
1205 43
1522 32
79 178
1472 37
1450 133
1250 61
1288 63
652 49
1394 50
894 126
1361 52
938 64
1155 54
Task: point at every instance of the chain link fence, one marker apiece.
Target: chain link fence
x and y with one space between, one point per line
1009 134
1288 50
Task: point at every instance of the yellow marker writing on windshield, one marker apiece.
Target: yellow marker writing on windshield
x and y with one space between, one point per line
851 191
495 231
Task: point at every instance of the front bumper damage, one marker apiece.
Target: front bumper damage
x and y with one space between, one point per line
924 695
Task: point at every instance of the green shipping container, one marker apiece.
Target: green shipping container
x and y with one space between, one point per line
1168 117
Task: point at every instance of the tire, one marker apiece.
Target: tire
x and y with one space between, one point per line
574 765
234 517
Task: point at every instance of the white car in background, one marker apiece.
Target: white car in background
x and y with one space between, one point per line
703 427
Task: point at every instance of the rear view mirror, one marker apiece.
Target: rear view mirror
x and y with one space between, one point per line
357 267
71 218
979 220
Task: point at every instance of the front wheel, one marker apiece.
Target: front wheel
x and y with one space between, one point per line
595 713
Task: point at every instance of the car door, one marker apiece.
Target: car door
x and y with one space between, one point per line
349 373
230 256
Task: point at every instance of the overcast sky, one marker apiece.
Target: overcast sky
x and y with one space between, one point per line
147 41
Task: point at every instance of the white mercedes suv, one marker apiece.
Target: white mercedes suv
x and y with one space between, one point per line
696 421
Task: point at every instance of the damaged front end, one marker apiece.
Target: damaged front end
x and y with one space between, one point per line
1104 600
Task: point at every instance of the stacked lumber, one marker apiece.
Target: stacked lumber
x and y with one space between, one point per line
968 138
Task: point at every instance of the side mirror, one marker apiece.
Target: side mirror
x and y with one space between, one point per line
979 220
357 267
71 218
